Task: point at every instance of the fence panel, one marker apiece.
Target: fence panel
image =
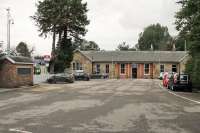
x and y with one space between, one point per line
37 79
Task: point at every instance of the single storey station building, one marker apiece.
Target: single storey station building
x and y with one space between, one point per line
130 64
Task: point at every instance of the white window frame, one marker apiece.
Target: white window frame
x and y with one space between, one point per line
146 68
78 66
123 68
163 68
81 66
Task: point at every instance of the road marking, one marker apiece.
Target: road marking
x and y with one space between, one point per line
19 131
191 100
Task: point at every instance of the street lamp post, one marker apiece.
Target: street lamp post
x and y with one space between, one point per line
9 22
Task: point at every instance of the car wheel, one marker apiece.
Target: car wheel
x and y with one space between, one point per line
189 89
50 81
71 81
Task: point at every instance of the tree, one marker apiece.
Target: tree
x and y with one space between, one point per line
125 47
88 46
155 35
180 44
23 50
1 48
64 58
65 18
187 22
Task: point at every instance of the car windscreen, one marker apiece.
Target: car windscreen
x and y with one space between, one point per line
183 77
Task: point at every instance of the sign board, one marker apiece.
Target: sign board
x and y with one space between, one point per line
47 58
134 65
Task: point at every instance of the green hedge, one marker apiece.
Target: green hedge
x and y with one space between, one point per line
193 68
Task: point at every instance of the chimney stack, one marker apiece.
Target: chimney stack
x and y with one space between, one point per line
151 47
174 47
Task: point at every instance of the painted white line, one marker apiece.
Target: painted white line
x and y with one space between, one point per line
185 98
19 131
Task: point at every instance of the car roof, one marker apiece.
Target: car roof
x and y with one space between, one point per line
79 71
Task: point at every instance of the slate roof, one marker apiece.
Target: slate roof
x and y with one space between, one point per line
18 59
136 56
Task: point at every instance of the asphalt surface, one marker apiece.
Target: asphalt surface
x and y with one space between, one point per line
99 106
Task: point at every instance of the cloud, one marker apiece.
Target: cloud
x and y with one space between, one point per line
112 21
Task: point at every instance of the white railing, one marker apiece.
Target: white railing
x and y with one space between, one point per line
41 78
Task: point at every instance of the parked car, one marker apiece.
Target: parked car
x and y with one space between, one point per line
65 77
180 82
81 75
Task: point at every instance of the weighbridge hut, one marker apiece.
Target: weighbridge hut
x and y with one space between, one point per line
15 71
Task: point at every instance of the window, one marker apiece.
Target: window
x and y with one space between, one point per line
79 66
98 68
162 68
23 71
122 68
74 66
107 68
174 68
146 69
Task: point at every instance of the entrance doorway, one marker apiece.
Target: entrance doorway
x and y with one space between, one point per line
134 71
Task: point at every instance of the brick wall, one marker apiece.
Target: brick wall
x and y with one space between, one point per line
140 71
9 77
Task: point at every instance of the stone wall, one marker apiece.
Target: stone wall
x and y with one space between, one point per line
103 69
87 64
168 68
183 63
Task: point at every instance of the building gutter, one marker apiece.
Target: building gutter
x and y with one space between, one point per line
183 58
136 62
21 63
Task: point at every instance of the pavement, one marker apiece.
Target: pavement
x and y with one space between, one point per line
99 106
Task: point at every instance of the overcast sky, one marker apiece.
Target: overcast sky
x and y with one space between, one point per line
111 21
